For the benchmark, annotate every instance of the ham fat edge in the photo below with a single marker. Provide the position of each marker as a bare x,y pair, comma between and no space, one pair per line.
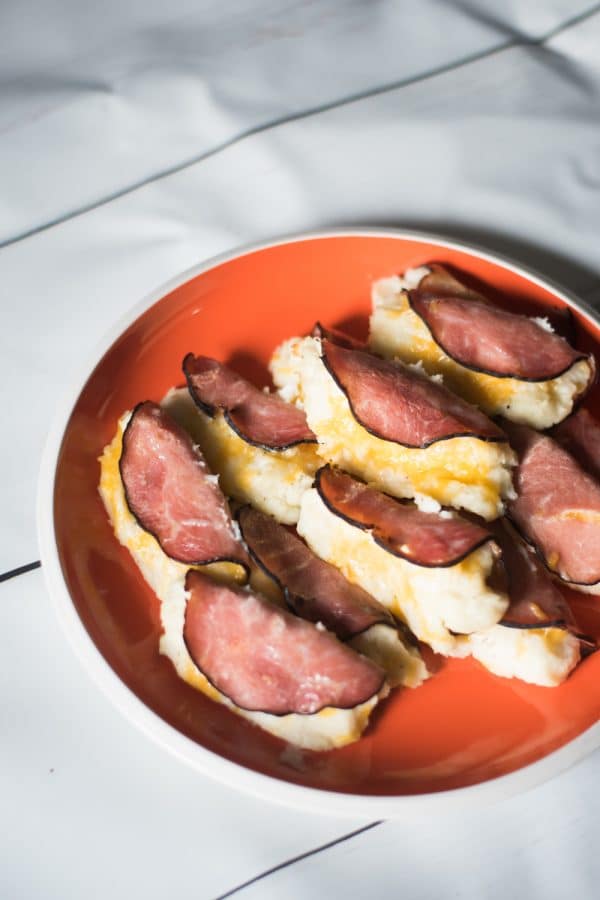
317,591
322,730
508,364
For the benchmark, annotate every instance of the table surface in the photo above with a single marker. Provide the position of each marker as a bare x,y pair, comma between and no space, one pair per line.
137,140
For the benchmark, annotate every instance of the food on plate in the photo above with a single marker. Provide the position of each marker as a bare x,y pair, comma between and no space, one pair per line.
163,502
338,337
537,639
580,435
167,510
438,572
317,591
282,673
365,454
508,364
261,447
395,427
557,508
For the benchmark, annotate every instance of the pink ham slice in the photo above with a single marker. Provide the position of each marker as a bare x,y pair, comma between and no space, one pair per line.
535,600
171,492
425,539
440,281
485,338
557,507
398,404
264,420
580,435
338,337
314,589
266,659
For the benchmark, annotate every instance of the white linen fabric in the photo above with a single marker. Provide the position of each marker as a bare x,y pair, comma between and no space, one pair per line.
102,97
139,138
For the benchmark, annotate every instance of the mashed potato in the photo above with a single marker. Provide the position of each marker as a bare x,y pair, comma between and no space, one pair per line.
402,663
396,331
543,656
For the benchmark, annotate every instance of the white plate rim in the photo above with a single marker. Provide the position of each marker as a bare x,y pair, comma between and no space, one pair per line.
196,756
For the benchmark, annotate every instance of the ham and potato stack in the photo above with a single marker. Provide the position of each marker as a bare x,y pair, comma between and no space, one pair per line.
317,591
505,363
438,572
286,675
463,588
418,517
394,427
261,447
537,639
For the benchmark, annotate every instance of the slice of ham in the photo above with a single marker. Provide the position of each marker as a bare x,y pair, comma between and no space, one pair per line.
557,507
440,281
580,435
338,337
266,659
400,527
398,404
486,338
313,588
259,418
535,600
171,492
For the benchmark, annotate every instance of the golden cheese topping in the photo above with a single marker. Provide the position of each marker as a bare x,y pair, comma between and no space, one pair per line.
446,470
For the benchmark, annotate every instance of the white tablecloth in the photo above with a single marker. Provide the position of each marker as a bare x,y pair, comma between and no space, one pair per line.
139,138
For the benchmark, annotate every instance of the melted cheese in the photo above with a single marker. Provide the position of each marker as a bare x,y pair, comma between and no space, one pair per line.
329,728
397,332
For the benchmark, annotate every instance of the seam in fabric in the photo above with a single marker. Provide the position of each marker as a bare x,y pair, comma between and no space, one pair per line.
304,114
21,570
299,858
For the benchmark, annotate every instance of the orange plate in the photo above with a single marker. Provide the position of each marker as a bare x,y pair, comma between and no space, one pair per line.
464,725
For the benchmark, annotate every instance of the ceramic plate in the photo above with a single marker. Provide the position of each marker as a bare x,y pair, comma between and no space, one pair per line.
465,734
